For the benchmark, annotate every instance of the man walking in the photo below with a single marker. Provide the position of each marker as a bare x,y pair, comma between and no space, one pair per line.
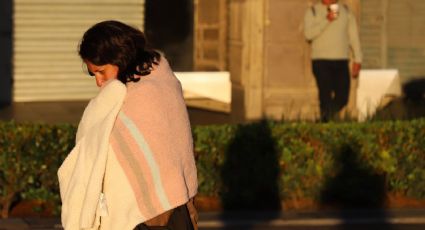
332,30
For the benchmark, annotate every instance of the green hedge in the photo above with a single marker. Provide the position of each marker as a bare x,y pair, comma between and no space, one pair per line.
253,165
354,164
30,155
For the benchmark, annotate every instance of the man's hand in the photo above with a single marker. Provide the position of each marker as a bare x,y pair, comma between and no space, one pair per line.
356,69
331,16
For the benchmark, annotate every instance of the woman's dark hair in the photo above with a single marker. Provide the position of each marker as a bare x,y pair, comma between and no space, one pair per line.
113,42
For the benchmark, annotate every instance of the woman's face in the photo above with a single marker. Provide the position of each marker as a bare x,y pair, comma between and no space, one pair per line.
102,73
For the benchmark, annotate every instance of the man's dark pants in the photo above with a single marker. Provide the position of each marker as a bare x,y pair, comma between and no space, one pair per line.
333,81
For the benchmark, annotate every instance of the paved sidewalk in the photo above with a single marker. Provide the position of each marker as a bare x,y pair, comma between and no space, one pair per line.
71,112
30,223
266,219
306,220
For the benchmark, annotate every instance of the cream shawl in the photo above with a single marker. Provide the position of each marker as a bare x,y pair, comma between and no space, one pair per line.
81,174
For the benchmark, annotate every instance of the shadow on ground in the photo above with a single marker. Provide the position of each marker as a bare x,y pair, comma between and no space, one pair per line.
411,106
355,187
250,173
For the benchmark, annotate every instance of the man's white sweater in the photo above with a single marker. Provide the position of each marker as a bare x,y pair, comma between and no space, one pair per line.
332,40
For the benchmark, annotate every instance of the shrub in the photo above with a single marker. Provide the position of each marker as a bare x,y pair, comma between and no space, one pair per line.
312,159
253,165
30,155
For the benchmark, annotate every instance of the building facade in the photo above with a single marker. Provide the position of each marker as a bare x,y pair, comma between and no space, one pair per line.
260,42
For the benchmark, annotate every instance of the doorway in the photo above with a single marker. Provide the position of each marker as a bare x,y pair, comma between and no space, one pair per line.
6,29
169,28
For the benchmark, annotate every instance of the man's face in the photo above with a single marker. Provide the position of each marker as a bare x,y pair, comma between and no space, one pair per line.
328,2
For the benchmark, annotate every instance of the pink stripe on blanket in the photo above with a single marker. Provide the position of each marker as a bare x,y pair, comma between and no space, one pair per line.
131,159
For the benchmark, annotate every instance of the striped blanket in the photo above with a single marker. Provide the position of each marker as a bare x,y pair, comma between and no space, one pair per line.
150,166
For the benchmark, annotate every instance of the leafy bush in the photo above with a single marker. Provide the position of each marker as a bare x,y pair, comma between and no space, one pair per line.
253,165
30,155
314,161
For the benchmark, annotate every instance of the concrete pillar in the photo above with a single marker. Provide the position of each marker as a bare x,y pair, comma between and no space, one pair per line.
269,60
246,52
290,89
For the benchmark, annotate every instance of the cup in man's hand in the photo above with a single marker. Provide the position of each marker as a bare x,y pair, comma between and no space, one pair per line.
334,9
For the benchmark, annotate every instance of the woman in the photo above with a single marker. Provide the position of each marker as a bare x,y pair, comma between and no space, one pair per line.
133,164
